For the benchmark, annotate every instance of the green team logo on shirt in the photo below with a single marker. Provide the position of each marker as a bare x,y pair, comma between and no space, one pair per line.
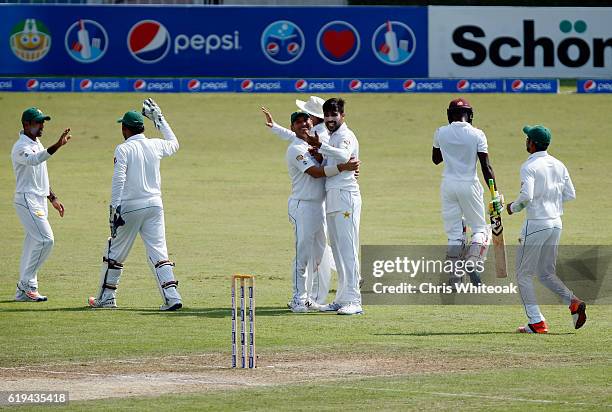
30,40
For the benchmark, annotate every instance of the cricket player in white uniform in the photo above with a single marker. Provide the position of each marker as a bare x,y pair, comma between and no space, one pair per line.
545,186
319,275
32,191
460,145
343,208
306,211
136,207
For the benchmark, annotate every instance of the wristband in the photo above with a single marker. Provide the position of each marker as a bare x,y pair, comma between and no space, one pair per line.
331,170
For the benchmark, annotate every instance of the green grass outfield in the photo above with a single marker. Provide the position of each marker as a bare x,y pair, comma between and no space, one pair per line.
225,196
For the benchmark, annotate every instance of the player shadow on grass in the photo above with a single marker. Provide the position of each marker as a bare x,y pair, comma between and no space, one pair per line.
216,312
459,333
186,311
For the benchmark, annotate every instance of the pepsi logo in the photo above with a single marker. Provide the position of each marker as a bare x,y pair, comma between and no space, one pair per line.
293,48
140,84
589,85
355,84
193,84
282,42
409,85
85,84
517,85
32,84
463,84
301,85
148,41
272,48
247,85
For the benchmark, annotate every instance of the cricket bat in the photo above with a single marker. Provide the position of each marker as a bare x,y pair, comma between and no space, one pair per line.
499,246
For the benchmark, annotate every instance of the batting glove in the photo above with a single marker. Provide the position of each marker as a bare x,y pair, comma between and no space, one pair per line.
115,220
151,110
496,205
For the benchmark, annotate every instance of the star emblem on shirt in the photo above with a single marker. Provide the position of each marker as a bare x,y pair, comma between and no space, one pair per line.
347,215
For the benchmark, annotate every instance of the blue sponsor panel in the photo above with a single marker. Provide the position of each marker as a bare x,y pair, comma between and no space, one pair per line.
532,85
154,85
199,42
452,85
103,85
372,85
207,85
36,84
9,84
317,85
264,85
591,86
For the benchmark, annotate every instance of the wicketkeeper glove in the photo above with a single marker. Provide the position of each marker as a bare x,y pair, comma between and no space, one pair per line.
115,220
151,110
497,205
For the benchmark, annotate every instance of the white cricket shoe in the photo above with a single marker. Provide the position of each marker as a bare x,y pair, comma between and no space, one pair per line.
350,309
172,305
109,303
330,307
297,307
312,306
25,293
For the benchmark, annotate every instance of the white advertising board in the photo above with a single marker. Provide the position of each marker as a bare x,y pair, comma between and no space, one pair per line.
570,42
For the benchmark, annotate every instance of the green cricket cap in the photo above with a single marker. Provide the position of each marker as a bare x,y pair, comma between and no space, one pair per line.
132,119
34,114
295,115
538,134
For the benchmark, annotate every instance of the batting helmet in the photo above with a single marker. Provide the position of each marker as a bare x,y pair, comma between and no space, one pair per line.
458,107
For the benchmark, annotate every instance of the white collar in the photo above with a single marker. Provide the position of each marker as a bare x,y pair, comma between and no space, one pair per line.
25,138
342,128
135,137
541,153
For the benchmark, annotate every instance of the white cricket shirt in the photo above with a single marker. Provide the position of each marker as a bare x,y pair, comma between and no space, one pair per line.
30,166
136,177
303,186
341,147
460,142
545,185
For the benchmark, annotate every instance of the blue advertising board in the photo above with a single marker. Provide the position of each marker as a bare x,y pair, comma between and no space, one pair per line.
532,85
216,41
591,86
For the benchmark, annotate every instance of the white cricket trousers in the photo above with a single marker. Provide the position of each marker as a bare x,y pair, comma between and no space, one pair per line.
148,220
32,211
463,200
306,217
343,216
537,255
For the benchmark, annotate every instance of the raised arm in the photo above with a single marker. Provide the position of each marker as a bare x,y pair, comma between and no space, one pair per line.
119,177
280,131
170,144
33,159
